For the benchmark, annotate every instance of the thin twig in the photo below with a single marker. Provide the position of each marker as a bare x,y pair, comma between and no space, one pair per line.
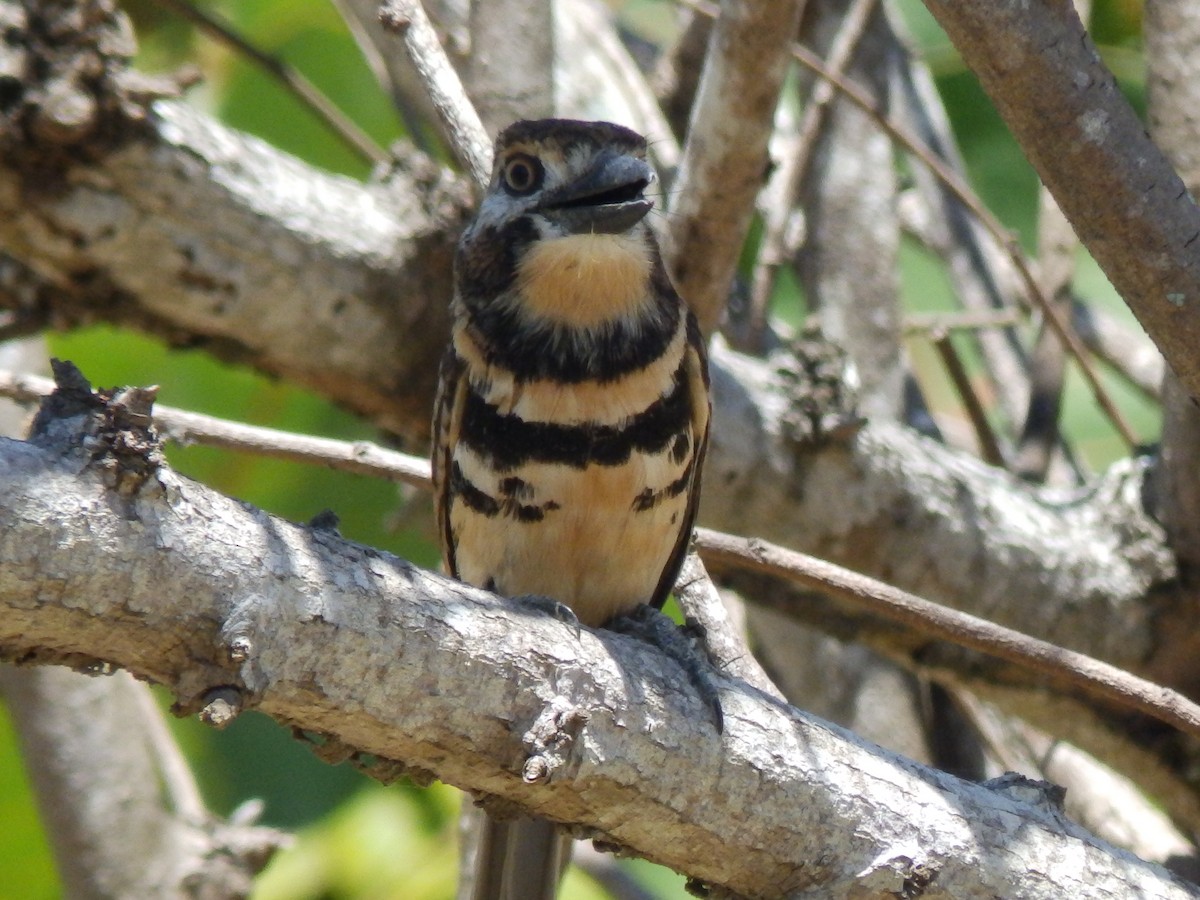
775,250
182,427
464,130
989,447
1068,669
971,320
1125,348
308,94
965,196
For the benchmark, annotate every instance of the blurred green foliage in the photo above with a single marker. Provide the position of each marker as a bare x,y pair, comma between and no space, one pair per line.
356,839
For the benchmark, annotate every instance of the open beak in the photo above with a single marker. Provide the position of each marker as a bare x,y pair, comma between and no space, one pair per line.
609,199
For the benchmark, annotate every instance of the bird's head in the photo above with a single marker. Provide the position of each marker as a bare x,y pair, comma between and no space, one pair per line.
560,238
565,177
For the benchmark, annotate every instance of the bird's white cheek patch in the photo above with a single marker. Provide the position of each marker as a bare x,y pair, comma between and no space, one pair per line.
585,280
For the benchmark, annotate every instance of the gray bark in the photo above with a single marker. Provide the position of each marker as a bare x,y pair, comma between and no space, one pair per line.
324,634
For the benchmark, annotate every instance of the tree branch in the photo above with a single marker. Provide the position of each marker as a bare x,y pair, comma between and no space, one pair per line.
1126,203
510,67
464,131
135,836
209,238
365,458
325,635
148,247
725,159
937,522
905,630
1065,668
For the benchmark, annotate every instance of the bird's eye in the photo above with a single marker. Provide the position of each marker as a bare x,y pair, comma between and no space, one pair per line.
522,174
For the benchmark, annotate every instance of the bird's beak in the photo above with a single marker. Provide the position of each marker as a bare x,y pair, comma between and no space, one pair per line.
608,199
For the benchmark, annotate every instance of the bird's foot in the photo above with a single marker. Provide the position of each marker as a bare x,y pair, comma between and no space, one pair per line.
684,645
553,608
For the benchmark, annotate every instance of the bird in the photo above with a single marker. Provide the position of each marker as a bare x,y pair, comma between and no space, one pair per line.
573,408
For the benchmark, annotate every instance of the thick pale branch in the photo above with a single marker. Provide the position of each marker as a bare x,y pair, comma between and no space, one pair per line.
896,633
210,238
369,459
510,67
848,263
888,503
361,647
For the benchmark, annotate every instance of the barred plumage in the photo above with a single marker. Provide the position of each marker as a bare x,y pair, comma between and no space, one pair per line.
573,410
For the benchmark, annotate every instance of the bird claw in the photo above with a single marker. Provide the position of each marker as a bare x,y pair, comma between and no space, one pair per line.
684,645
553,608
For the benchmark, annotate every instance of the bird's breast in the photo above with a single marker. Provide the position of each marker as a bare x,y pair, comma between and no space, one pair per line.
585,280
575,491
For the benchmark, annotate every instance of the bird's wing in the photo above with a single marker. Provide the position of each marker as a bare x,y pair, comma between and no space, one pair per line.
447,419
697,375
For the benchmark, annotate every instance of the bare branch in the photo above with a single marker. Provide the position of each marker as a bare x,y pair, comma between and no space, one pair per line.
1063,667
303,89
465,132
989,447
1126,348
95,739
510,67
701,603
393,70
1085,575
849,261
183,427
204,236
324,634
725,157
1098,797
1126,203
969,320
973,537
1067,669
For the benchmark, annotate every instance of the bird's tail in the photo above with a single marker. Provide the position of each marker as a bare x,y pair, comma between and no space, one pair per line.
519,859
